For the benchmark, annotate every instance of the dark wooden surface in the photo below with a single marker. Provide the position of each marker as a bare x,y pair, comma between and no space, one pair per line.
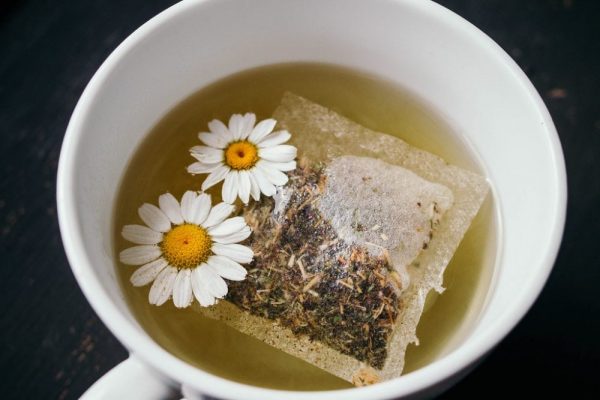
52,343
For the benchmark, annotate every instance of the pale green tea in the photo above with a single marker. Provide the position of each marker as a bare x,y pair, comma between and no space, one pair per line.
159,165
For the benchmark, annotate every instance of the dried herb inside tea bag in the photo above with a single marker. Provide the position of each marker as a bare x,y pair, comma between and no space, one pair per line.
347,251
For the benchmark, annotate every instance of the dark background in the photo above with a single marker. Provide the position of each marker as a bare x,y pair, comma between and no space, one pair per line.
53,345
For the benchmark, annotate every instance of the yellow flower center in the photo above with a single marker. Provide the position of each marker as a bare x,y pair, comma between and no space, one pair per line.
186,246
241,155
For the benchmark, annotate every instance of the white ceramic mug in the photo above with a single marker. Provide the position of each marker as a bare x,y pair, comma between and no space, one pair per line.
419,45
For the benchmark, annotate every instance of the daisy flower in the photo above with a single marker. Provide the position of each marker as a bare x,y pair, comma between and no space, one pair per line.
250,159
187,249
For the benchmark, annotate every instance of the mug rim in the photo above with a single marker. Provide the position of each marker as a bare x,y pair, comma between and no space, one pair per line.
143,347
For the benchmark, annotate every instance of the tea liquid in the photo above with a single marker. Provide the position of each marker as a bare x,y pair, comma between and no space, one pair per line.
159,165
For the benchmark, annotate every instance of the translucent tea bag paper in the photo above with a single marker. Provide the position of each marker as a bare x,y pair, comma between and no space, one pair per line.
347,251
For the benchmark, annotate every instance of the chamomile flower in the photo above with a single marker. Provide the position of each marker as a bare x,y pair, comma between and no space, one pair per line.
250,159
187,249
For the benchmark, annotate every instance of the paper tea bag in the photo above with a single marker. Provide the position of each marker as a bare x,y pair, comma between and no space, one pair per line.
347,251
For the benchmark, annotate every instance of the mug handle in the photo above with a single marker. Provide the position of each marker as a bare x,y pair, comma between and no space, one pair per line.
131,380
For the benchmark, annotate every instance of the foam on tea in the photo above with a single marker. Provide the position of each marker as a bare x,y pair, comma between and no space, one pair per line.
347,252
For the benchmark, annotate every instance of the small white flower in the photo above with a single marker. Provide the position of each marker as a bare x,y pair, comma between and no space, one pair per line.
187,249
251,159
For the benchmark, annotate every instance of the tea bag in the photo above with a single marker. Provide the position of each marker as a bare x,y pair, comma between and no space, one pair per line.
347,251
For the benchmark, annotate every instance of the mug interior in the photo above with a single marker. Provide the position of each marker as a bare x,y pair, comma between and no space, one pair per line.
428,50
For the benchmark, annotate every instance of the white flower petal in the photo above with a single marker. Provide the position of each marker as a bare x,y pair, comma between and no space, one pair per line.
234,237
201,208
218,214
154,218
147,273
199,150
215,176
275,138
281,166
139,255
266,187
182,289
187,205
236,122
201,168
140,234
162,288
280,153
213,140
227,268
254,188
207,155
228,227
219,129
244,186
215,285
170,206
216,157
230,187
262,129
274,176
237,252
196,150
200,288
248,122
